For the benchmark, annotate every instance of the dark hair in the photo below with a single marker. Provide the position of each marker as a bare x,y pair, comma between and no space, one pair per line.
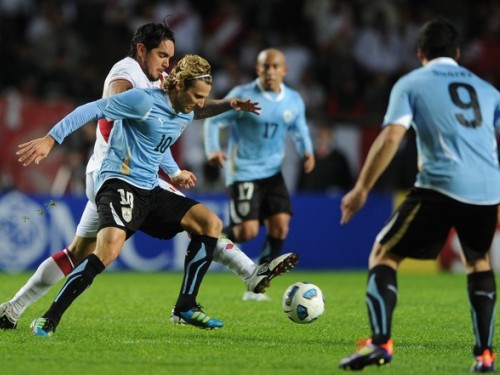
151,35
438,38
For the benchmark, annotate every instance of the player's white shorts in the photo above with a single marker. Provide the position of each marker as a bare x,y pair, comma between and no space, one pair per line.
89,221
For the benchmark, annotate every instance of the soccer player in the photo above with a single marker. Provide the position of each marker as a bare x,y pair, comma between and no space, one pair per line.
151,48
455,115
256,150
146,123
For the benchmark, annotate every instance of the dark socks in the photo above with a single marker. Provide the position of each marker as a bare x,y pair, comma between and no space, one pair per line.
381,298
481,288
76,283
228,232
198,258
270,249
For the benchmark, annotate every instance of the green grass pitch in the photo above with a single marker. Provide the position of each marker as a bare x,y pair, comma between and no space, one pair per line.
121,326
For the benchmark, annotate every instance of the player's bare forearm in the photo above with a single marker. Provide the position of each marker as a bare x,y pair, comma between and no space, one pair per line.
379,156
214,107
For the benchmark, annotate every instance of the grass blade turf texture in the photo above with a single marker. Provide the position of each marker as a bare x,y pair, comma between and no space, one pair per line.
121,326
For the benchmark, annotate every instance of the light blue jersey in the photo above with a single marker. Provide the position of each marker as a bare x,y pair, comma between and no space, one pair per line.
145,127
257,142
455,115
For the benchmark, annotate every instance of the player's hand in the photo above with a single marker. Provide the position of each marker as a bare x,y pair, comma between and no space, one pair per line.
217,159
35,150
351,203
309,162
245,105
186,180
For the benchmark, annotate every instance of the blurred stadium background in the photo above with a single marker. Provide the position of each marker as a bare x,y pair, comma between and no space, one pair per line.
343,56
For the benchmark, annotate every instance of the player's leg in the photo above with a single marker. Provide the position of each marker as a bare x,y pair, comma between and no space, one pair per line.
256,277
277,230
272,265
244,203
110,241
476,227
481,288
276,210
53,269
120,215
204,228
381,298
415,230
245,231
272,202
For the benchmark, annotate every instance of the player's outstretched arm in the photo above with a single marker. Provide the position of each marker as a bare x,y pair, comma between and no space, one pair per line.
214,107
35,150
245,105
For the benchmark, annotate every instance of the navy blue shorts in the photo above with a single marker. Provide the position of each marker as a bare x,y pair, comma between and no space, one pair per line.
258,199
419,227
157,212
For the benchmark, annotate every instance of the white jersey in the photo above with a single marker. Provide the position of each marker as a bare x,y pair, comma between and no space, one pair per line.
129,70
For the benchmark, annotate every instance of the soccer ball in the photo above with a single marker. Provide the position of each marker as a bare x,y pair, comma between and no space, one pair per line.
303,302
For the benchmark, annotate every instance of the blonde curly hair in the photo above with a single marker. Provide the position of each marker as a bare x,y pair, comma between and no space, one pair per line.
188,69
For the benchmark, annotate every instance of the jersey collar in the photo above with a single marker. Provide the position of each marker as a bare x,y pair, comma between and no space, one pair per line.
271,96
442,60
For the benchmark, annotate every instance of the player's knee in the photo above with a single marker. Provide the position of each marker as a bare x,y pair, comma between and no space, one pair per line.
109,244
247,233
213,225
477,265
381,256
81,247
280,232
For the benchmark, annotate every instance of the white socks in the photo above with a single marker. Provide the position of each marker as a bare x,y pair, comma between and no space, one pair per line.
47,274
228,254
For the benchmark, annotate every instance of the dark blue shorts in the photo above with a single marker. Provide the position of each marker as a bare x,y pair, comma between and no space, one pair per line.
157,212
420,226
258,199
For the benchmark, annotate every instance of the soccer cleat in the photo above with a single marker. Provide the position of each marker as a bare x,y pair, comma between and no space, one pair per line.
369,354
7,319
484,362
259,297
264,273
195,317
43,327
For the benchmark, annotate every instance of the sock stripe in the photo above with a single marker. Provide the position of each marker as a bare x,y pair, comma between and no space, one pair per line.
76,274
188,283
63,261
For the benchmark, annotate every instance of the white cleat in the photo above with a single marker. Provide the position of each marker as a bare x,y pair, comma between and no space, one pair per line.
7,318
264,273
